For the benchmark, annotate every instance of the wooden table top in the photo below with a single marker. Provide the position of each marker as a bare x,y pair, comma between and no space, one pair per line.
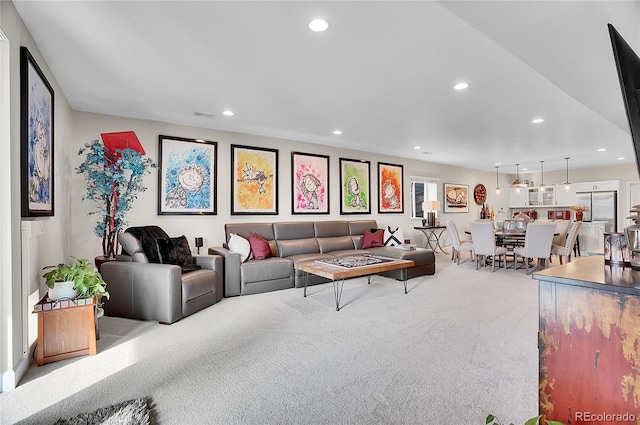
329,271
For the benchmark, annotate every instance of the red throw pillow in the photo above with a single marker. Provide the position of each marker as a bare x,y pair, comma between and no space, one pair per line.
259,246
372,239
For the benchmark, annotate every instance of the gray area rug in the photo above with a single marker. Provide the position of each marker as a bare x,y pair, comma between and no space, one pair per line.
132,412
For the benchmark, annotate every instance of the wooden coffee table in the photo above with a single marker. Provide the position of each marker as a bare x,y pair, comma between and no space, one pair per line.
338,274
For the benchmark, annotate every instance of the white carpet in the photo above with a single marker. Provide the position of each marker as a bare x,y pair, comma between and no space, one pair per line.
461,344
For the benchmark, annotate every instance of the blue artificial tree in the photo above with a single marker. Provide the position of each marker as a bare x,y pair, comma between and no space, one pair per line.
114,179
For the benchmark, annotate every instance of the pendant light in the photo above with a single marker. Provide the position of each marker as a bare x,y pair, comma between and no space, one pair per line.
520,183
497,183
566,183
542,178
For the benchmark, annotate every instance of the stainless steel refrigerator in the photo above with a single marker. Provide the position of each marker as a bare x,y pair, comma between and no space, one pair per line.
603,206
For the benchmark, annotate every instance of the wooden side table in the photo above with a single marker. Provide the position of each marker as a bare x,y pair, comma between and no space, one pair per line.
65,329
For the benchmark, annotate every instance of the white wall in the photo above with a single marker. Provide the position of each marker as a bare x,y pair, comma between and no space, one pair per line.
54,244
88,127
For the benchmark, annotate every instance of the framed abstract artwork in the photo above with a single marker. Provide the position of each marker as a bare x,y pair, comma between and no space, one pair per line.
309,183
390,188
254,180
187,180
456,198
36,134
355,186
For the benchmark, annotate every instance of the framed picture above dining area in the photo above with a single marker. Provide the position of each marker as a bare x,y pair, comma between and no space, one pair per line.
456,198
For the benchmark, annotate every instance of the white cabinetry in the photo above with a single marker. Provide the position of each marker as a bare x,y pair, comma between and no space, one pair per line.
518,197
565,196
600,186
541,196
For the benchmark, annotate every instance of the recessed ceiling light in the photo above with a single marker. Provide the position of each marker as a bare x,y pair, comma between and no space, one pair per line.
228,113
602,149
318,25
337,132
620,158
537,120
417,147
524,169
461,86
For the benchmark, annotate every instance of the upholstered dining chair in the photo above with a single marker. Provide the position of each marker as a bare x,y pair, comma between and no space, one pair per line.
537,244
484,245
456,244
566,249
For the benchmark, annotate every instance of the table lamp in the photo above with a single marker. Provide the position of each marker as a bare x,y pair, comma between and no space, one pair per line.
430,208
198,244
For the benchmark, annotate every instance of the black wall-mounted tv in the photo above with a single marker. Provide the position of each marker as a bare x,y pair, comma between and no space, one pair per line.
628,65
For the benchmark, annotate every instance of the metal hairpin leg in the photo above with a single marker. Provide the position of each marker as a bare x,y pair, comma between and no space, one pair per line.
337,291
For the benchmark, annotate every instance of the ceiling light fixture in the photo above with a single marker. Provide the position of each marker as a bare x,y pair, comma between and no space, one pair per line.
461,86
621,158
337,132
228,113
566,183
497,183
537,120
318,25
542,178
417,147
602,149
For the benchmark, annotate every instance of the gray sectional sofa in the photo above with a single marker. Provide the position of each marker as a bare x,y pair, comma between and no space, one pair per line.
291,242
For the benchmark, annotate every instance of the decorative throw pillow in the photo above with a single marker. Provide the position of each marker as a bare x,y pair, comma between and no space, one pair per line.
372,239
393,237
240,245
176,251
259,246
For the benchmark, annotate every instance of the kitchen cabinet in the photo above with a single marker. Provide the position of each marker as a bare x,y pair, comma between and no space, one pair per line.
565,196
518,197
598,186
541,196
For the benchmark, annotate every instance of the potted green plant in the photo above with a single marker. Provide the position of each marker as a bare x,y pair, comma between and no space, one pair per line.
114,174
537,420
75,279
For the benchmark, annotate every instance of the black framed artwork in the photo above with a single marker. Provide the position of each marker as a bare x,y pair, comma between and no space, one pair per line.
309,183
187,181
390,188
254,180
36,139
355,186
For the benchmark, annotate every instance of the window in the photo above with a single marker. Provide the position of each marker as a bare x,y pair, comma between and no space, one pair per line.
422,189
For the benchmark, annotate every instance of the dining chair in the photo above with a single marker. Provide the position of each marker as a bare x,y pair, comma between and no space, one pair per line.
484,245
562,228
456,244
566,249
537,244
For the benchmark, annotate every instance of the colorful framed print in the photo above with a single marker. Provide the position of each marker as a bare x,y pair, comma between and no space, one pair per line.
309,183
390,188
187,181
36,133
355,186
456,198
254,180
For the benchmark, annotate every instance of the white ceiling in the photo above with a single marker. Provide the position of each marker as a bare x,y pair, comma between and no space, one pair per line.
383,73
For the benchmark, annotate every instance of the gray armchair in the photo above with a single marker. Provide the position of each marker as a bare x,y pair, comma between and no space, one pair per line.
141,287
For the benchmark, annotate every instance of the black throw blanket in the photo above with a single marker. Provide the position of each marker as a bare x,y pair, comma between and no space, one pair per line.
147,236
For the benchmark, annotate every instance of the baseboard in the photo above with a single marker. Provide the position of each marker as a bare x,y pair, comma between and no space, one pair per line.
10,378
